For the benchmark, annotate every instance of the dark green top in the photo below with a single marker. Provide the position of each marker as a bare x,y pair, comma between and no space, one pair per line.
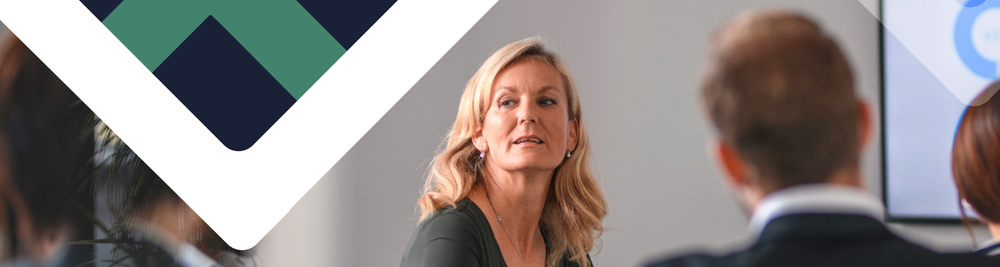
460,237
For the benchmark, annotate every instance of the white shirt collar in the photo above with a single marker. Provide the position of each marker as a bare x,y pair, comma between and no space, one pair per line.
986,245
814,198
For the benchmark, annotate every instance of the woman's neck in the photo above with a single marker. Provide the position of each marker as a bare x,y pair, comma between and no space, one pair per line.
994,230
518,198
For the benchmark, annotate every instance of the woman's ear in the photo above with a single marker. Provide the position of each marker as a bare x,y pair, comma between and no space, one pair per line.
574,135
479,141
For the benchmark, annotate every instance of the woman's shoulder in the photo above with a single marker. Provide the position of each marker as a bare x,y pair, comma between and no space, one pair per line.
452,236
463,208
465,219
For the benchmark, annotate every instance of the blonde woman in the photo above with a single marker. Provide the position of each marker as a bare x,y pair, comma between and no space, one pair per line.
513,187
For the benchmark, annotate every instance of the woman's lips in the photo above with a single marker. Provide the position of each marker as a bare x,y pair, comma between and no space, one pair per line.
528,140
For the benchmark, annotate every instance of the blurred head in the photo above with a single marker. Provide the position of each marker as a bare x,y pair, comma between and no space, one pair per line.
521,108
781,96
44,150
974,159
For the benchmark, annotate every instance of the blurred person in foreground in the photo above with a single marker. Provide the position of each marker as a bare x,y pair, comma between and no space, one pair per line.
975,163
47,160
151,225
513,187
790,129
43,150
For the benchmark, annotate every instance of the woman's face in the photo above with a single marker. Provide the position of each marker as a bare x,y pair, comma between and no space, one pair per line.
527,125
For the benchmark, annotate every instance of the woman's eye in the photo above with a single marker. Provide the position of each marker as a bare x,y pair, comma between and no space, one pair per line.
506,103
548,102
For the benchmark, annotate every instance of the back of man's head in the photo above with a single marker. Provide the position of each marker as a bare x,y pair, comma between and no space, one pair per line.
780,92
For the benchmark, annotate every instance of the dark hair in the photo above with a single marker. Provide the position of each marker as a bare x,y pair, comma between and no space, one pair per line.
780,91
42,124
975,157
47,152
136,191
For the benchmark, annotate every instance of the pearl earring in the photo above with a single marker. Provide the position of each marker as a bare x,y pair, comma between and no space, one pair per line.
568,154
482,154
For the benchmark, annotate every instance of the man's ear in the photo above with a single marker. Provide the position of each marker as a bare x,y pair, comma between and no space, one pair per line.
739,174
864,124
479,141
733,166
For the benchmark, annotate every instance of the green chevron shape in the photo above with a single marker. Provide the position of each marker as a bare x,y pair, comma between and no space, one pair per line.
280,34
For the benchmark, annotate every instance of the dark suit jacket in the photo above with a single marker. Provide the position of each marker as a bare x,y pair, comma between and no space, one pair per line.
993,249
830,240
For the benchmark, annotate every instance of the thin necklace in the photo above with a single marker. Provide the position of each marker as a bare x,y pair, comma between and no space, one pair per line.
501,224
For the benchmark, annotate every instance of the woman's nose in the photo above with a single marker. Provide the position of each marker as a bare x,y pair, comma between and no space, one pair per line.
527,113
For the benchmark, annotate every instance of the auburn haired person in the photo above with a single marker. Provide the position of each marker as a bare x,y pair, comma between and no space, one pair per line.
975,163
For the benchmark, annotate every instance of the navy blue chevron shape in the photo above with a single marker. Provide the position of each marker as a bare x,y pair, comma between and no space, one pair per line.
225,87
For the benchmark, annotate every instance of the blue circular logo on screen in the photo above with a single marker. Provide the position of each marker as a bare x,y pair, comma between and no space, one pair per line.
976,62
970,3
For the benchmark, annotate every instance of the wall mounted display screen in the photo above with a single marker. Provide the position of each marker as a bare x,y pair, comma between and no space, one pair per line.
937,56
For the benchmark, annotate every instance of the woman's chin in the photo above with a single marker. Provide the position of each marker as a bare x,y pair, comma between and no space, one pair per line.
531,165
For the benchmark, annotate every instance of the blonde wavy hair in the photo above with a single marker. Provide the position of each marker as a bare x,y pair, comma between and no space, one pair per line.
575,206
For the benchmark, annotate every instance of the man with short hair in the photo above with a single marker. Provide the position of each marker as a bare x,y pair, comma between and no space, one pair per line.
790,129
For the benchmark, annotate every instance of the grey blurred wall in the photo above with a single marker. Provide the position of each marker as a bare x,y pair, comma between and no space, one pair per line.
637,64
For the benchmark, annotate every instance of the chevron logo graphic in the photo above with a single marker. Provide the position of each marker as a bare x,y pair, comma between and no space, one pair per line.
238,65
240,106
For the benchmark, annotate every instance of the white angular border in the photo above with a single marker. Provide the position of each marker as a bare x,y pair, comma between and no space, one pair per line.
242,195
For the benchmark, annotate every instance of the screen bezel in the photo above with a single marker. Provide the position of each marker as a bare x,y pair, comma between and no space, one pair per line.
885,178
